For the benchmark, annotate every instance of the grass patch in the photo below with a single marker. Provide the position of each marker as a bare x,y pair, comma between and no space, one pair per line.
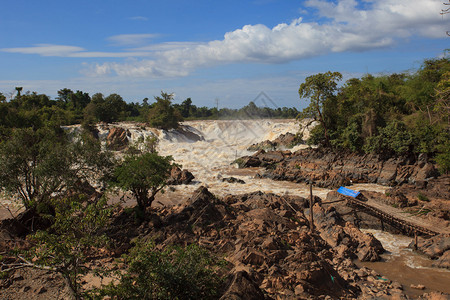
422,197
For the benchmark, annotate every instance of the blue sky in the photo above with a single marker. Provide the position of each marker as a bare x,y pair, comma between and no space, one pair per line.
207,50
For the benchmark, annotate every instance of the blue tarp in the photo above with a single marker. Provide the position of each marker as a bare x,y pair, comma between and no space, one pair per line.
348,192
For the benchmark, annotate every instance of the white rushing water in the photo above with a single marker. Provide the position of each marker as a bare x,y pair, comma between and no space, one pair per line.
212,158
208,149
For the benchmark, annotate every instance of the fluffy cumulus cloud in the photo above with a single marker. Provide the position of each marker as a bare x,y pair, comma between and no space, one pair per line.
346,25
343,25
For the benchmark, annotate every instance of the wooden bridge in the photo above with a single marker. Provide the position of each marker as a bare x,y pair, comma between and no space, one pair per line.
397,218
405,226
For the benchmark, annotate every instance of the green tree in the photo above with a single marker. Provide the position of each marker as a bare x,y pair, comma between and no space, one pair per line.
173,273
37,166
65,247
319,88
162,114
110,109
185,107
144,175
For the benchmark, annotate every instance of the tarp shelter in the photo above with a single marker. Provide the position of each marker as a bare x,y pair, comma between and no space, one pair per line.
348,192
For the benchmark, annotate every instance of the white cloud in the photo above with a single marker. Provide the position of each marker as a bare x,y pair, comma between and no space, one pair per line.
46,50
349,28
131,39
139,18
72,51
346,25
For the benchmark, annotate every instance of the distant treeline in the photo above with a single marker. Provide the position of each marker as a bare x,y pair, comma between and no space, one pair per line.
30,109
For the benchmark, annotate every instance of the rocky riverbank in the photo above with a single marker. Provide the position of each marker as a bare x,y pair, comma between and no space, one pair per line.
333,169
416,186
266,239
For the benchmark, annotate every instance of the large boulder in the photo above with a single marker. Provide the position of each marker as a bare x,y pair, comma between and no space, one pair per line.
179,176
117,139
243,287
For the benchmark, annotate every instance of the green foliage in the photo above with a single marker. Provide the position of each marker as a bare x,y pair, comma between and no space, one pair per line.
143,145
39,165
392,139
34,165
350,138
393,114
162,114
144,175
173,273
443,156
74,235
320,90
109,109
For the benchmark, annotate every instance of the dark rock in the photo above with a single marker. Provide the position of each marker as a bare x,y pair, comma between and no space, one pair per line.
117,139
233,180
443,261
332,169
178,176
433,247
41,290
189,133
287,140
242,287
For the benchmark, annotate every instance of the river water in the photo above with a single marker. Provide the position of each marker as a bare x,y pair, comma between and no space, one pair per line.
401,264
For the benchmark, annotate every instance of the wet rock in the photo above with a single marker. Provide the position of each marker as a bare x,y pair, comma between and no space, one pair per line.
443,261
287,140
248,162
417,287
117,139
178,176
189,133
233,180
433,247
435,296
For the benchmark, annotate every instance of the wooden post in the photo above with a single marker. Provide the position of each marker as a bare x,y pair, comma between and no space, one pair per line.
415,240
311,204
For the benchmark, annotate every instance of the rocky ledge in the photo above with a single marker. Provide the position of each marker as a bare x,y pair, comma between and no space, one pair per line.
333,169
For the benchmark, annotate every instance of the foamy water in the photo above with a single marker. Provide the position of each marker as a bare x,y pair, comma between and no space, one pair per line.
209,148
224,141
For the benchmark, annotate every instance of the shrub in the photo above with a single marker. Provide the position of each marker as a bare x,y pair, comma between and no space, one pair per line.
173,273
144,175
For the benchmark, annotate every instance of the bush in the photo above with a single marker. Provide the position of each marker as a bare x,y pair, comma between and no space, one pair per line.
144,175
443,157
173,273
64,248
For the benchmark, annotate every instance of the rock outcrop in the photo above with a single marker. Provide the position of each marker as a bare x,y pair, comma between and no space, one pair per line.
179,176
117,139
284,141
436,248
271,251
331,170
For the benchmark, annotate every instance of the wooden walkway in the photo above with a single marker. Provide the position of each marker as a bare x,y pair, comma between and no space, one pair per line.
409,225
